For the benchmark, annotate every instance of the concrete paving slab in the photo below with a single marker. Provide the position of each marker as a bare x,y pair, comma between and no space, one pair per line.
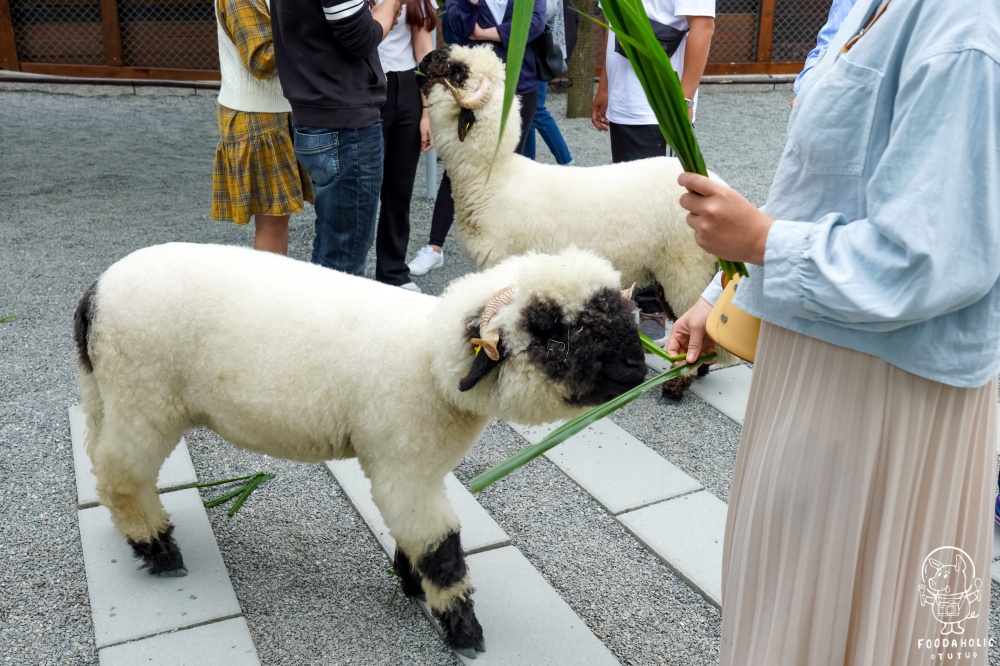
524,619
995,572
617,469
127,603
996,542
726,389
479,530
225,643
686,534
177,471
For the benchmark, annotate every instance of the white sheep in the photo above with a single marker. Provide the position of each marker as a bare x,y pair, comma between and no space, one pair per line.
628,212
290,359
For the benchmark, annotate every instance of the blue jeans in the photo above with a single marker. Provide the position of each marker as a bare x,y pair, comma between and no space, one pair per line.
346,170
547,127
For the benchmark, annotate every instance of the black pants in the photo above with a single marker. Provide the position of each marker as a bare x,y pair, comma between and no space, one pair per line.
444,205
401,133
637,142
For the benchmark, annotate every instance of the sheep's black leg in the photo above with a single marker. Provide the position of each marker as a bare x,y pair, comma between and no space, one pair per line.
408,578
445,578
161,556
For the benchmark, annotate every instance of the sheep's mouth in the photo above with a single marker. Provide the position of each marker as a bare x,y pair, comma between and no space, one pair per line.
439,67
618,379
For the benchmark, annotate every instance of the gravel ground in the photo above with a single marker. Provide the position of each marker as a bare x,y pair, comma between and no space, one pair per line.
89,174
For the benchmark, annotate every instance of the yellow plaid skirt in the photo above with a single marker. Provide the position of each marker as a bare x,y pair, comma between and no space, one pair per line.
255,171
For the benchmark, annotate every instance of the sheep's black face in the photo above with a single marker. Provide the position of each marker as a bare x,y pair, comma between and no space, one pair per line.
438,66
598,355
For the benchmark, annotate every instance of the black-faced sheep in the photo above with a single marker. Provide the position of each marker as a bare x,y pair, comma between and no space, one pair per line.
290,359
628,212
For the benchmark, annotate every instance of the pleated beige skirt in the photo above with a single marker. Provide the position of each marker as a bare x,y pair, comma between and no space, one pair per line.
860,522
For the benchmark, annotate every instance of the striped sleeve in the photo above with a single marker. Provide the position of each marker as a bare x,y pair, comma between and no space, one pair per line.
353,26
341,10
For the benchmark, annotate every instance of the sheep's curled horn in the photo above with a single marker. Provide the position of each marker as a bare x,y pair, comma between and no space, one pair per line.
490,335
469,102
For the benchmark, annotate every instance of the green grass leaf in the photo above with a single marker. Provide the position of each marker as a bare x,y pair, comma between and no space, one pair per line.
7,318
575,425
242,492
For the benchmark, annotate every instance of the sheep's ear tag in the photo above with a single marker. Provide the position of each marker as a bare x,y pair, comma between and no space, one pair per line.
466,119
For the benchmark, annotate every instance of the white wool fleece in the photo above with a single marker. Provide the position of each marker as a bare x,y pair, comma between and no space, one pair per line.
292,360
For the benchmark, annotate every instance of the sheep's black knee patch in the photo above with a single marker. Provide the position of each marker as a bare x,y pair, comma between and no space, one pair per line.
445,565
161,554
409,580
81,326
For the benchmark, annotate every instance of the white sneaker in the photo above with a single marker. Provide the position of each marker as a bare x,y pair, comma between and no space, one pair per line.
410,286
426,261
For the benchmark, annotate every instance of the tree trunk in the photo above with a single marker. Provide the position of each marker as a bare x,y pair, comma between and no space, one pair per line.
581,64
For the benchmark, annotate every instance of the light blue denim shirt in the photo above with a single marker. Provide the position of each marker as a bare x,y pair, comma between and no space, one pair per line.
886,200
838,12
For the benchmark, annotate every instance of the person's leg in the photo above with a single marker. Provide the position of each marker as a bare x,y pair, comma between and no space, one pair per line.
431,256
529,101
271,233
444,213
549,129
401,132
346,170
529,141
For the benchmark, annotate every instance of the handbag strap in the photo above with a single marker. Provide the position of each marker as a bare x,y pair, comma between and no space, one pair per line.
854,40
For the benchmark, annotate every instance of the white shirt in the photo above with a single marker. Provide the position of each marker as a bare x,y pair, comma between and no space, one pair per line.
396,50
627,103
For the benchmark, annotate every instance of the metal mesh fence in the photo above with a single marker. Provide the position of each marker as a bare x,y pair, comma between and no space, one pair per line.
796,23
58,32
167,34
173,34
736,25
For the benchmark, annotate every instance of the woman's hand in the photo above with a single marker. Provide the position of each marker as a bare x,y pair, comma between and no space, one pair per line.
689,334
484,34
426,140
725,224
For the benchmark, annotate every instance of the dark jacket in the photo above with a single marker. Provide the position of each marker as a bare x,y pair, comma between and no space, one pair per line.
328,64
462,17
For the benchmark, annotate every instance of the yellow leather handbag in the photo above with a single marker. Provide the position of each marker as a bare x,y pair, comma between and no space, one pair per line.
733,329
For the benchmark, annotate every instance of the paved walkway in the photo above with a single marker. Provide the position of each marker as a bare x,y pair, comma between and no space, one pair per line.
605,551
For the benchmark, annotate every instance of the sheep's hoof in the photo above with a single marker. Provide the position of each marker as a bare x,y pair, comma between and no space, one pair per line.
161,556
471,652
173,573
462,630
673,390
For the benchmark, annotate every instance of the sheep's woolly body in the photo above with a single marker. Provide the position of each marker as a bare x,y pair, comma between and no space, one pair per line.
628,212
293,360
